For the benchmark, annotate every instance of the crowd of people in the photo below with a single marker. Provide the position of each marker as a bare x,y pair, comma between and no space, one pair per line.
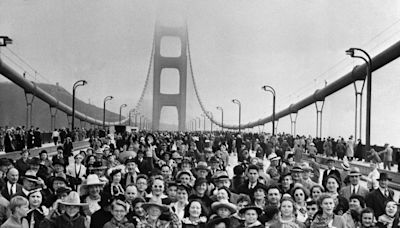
19,138
187,179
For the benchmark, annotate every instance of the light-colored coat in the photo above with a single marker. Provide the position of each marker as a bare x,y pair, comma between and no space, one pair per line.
72,171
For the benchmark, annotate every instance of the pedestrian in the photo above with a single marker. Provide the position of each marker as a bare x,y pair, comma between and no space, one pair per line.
19,207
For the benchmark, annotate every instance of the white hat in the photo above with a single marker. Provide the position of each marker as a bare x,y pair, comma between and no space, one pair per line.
273,156
91,180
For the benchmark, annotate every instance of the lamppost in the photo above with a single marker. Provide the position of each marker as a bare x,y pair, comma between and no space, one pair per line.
268,88
198,118
107,98
236,101
204,122
76,85
211,118
368,61
120,112
140,121
130,116
222,117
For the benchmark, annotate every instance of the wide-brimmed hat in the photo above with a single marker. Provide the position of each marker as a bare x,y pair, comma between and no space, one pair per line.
306,167
273,157
31,176
34,161
221,175
354,171
73,200
384,176
176,155
162,207
91,180
217,205
257,209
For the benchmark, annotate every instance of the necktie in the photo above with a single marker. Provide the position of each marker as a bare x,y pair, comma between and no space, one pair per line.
386,193
12,190
354,190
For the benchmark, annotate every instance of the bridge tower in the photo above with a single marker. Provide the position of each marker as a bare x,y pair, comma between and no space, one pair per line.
179,63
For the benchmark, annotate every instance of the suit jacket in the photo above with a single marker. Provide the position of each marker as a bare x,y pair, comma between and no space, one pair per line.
124,179
346,192
6,194
71,170
376,201
244,188
145,166
333,172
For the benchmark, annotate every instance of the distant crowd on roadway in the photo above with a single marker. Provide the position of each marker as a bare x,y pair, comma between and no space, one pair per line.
18,138
192,179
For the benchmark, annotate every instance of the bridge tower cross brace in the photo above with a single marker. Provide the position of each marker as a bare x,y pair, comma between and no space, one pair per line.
179,63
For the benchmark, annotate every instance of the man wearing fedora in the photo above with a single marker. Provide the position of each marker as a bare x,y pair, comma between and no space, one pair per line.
354,188
377,198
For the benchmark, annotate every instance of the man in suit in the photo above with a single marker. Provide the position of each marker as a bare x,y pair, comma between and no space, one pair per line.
250,184
130,176
144,164
330,171
12,187
354,188
377,198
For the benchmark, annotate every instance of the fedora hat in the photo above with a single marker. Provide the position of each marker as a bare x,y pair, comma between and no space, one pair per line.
354,171
73,200
31,176
97,165
296,169
384,176
273,157
219,175
162,207
345,166
202,166
257,209
217,205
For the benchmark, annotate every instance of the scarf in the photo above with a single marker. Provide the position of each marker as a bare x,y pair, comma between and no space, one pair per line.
386,220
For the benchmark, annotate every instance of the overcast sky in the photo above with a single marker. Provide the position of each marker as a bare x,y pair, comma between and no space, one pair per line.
236,47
